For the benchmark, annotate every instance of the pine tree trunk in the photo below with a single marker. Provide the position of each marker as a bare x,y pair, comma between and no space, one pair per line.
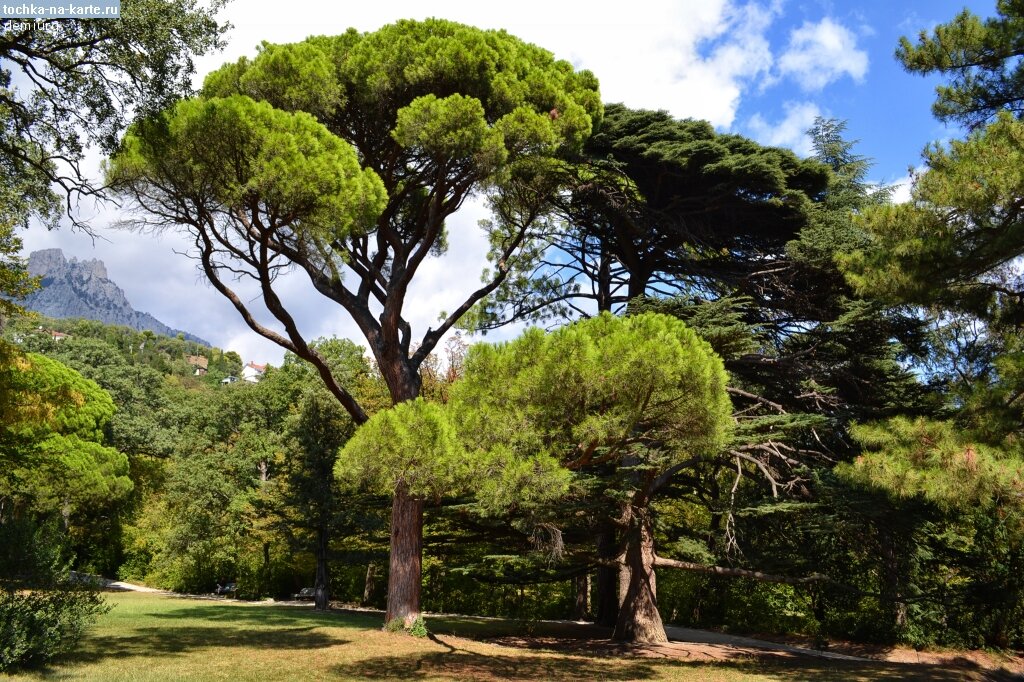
639,621
405,563
604,283
321,585
370,585
639,277
625,574
606,594
581,610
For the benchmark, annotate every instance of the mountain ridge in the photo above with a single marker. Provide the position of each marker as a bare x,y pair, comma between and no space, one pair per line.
82,288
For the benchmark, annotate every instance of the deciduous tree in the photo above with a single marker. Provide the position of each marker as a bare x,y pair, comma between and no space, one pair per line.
53,455
67,83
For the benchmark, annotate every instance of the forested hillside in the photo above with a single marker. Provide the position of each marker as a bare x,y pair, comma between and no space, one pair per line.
149,381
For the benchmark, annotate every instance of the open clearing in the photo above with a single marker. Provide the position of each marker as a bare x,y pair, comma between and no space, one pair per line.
156,637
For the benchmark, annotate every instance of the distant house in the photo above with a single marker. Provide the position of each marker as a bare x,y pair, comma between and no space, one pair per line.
253,372
229,380
200,362
59,336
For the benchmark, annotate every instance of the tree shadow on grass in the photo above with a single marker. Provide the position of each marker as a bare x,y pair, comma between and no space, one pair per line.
462,664
486,628
639,663
467,665
260,614
149,642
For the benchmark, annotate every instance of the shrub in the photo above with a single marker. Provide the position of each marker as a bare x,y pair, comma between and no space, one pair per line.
42,614
36,626
418,628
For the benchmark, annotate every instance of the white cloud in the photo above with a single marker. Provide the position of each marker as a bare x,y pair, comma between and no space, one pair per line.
791,131
691,57
158,278
710,87
901,190
823,52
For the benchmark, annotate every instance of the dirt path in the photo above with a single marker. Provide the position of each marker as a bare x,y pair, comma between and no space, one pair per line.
109,584
676,634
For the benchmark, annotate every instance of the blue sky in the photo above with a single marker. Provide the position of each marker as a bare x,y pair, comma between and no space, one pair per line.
762,69
886,108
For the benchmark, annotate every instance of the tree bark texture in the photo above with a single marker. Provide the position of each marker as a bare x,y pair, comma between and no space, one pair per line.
639,621
405,563
370,585
625,573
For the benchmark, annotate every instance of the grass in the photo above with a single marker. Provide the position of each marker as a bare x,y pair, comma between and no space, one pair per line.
152,637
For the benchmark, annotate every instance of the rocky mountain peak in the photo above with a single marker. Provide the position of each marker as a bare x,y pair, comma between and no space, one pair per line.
47,262
81,288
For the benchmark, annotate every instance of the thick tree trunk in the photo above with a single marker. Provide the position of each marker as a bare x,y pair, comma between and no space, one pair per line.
639,621
405,564
625,574
581,610
370,585
639,277
606,593
321,585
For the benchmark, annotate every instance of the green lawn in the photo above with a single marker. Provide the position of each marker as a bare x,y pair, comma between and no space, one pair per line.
149,637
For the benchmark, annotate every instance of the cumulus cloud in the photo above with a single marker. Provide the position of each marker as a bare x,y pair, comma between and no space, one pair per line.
791,131
821,53
692,58
715,69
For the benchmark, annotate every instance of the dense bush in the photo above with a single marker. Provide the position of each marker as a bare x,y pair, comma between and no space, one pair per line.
42,612
38,625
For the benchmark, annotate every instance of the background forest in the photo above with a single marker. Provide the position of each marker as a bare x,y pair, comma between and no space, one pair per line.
751,374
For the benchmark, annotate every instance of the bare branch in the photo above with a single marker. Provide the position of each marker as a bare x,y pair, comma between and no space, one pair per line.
740,572
764,401
762,466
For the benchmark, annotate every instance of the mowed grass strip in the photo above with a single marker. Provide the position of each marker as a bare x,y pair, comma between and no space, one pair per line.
153,637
